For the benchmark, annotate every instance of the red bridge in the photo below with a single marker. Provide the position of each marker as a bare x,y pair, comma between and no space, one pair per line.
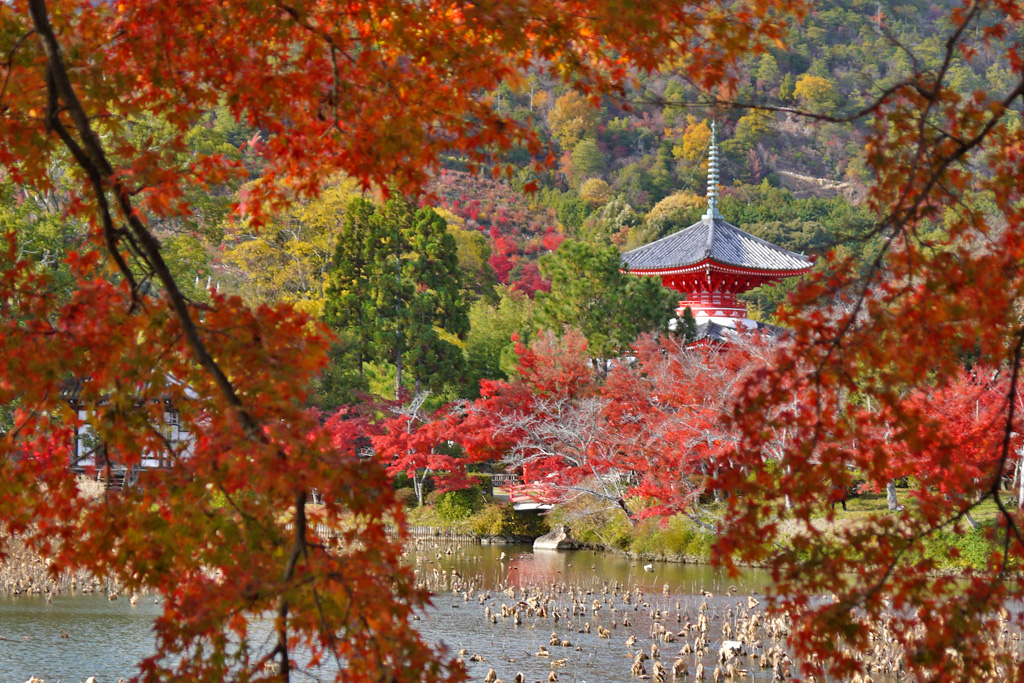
510,487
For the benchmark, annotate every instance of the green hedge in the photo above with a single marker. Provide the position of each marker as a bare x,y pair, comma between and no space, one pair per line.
455,506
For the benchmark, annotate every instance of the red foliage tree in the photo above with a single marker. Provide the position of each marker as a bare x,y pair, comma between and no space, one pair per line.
379,91
667,410
411,442
530,281
869,344
654,428
959,428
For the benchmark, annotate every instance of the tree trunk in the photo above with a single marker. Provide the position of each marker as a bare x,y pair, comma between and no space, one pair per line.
1020,477
890,496
418,483
630,517
970,520
361,354
398,375
789,501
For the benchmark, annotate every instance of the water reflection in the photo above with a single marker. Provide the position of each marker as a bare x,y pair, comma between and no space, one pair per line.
670,597
592,570
107,639
521,567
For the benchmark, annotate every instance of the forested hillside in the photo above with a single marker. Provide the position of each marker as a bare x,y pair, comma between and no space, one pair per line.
263,260
620,171
631,170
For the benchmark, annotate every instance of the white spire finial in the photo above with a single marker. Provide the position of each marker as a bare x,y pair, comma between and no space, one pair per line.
712,178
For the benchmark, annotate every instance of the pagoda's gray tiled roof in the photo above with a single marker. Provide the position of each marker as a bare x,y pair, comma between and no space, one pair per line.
715,239
712,331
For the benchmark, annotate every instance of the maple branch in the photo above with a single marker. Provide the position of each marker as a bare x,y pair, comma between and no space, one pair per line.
715,102
91,158
897,220
334,84
298,550
327,38
1004,453
54,123
325,629
244,514
879,100
13,432
9,62
907,207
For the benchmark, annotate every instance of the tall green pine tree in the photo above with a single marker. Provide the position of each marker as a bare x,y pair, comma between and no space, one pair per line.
590,293
395,287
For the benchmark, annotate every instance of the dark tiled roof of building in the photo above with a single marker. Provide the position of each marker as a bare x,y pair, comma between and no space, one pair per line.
714,332
718,240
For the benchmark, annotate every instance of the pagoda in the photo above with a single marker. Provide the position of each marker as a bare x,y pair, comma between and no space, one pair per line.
712,262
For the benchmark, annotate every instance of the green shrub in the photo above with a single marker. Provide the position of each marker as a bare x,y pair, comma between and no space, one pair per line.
607,527
482,480
618,531
491,520
407,496
503,520
672,536
455,506
953,551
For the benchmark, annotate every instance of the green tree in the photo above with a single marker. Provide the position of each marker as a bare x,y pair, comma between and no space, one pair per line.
490,351
347,305
662,173
768,73
675,98
787,87
396,286
588,161
610,224
590,293
569,208
45,236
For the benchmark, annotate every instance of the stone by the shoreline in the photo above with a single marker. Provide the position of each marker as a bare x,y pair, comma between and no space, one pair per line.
556,539
504,540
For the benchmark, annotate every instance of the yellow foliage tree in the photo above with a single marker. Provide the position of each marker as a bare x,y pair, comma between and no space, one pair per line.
288,258
680,202
695,140
572,118
595,191
815,92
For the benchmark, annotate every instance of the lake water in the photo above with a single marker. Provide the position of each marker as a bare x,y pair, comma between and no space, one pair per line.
107,639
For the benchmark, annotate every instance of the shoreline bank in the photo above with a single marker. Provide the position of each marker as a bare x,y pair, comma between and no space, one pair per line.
24,572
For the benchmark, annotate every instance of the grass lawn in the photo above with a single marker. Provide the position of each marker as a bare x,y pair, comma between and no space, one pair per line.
875,503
